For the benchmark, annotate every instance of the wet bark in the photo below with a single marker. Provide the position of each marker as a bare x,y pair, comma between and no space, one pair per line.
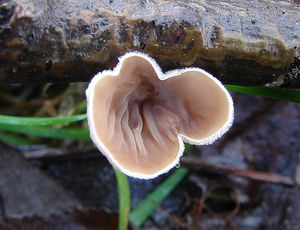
240,42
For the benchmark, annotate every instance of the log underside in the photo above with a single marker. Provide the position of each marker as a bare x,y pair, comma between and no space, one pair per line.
239,42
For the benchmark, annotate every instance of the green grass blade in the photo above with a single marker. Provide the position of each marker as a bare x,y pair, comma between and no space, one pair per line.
292,95
124,199
80,134
13,139
144,209
40,121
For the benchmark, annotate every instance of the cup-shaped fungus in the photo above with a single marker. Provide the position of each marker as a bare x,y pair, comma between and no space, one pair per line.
139,117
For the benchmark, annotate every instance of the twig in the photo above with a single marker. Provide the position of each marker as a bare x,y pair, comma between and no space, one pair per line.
177,221
47,155
246,173
186,161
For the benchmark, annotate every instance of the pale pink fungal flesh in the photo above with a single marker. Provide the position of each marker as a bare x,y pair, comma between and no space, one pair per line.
138,116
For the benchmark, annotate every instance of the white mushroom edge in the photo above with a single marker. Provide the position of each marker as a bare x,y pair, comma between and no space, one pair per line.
181,138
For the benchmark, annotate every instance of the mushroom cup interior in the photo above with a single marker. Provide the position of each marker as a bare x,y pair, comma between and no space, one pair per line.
139,117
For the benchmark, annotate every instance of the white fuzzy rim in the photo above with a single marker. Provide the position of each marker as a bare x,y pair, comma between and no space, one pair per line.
162,76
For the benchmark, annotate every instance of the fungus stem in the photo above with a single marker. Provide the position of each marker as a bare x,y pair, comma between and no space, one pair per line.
124,199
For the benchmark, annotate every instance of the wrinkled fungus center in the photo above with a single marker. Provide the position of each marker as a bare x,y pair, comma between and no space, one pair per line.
139,117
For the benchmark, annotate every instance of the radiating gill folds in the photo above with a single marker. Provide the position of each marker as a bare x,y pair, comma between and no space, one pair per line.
138,116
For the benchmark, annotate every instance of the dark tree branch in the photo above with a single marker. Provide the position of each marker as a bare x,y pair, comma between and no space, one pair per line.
239,41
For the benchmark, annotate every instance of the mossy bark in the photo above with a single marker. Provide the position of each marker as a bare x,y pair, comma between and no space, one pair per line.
238,41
